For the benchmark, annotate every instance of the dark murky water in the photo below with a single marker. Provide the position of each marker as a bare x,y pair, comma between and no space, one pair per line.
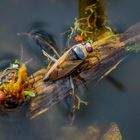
106,103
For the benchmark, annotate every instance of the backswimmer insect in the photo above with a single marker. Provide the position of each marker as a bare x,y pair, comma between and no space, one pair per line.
69,61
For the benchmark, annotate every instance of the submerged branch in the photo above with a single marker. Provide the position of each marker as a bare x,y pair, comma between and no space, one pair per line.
112,50
50,93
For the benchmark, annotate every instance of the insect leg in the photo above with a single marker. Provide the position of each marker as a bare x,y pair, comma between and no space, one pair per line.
50,46
49,56
77,100
82,80
74,100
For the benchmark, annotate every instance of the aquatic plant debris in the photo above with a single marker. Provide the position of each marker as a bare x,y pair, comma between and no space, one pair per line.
92,23
13,87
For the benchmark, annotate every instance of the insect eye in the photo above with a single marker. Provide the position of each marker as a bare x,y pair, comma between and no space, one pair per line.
79,52
88,47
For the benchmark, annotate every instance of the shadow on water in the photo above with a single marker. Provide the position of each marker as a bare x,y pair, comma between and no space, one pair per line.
106,104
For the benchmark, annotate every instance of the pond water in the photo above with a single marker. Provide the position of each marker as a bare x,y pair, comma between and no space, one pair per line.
106,103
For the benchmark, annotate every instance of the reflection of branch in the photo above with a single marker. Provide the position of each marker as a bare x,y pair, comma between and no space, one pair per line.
92,21
115,83
108,131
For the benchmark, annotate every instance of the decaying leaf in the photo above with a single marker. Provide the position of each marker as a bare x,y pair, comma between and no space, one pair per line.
113,133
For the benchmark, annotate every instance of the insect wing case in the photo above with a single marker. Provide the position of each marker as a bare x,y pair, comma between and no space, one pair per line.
67,63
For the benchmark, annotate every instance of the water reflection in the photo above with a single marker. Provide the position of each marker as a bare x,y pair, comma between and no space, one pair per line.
109,132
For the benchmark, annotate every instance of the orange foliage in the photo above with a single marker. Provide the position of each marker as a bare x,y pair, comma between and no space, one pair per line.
15,88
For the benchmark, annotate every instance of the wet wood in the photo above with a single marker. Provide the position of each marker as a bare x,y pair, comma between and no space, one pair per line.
92,70
112,51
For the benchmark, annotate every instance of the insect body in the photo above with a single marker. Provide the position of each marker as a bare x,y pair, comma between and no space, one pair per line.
69,61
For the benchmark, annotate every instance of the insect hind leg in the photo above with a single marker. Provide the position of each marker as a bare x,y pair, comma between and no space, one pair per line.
82,80
77,101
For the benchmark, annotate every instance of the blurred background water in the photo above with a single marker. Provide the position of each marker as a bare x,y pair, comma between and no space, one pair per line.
106,103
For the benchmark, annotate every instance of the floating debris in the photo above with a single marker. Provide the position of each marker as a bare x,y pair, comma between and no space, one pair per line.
14,89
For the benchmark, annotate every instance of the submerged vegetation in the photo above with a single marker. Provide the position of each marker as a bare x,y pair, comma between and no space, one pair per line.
14,87
92,22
